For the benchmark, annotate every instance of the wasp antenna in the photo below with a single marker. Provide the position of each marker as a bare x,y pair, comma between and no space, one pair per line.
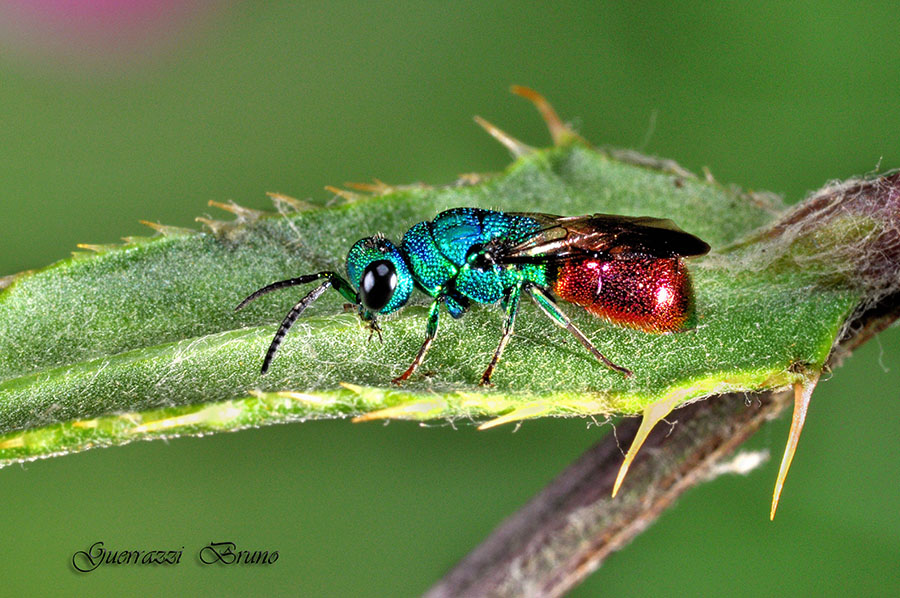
297,204
281,284
559,131
289,320
347,195
512,144
652,414
802,392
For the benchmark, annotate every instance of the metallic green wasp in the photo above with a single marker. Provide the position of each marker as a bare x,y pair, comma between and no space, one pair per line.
627,270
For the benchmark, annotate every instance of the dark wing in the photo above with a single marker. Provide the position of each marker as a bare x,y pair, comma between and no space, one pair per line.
599,235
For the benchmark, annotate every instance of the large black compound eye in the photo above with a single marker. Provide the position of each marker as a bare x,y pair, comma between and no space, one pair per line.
379,279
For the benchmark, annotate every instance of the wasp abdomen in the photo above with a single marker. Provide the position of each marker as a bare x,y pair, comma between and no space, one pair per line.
652,294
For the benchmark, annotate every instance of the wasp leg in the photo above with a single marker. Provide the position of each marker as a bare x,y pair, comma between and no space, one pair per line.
374,328
552,310
511,303
430,333
331,280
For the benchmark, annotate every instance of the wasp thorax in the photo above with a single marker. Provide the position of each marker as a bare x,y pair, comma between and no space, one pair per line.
379,279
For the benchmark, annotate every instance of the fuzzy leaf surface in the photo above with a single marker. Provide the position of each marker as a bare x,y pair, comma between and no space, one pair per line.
141,341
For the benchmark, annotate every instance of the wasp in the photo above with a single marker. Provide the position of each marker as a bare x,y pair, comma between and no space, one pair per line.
629,271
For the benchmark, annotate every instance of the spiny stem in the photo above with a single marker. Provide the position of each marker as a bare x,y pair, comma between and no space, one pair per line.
563,534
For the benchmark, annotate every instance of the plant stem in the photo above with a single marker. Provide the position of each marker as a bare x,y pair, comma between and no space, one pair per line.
564,533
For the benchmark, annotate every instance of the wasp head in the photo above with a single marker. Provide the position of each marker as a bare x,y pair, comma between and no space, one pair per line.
379,272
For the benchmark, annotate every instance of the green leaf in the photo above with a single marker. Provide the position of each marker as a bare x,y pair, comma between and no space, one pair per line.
141,341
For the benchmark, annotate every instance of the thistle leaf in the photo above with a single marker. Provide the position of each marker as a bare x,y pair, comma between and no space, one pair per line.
140,341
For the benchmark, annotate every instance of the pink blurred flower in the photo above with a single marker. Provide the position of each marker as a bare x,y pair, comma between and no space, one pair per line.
93,31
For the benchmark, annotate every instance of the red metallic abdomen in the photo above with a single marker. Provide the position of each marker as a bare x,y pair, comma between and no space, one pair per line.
653,294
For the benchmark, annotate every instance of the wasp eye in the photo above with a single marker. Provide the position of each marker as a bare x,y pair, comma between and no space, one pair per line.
379,279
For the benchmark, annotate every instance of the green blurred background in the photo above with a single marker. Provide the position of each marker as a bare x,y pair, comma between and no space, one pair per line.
102,128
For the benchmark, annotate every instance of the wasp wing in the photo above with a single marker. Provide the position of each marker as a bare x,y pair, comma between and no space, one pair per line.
598,235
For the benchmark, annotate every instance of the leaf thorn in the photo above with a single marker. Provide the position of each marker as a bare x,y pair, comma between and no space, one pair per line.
529,411
95,248
512,144
802,393
376,187
653,413
216,226
167,230
559,131
241,213
298,204
348,196
423,409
